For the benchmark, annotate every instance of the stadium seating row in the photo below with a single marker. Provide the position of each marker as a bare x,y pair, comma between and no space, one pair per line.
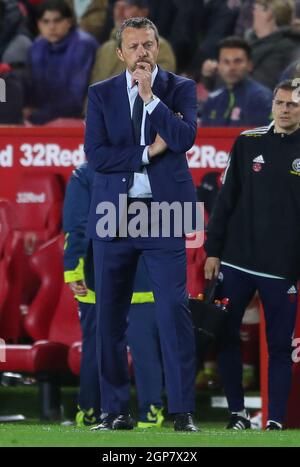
51,324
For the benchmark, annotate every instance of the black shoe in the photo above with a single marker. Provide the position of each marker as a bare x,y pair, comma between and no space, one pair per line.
106,422
273,426
123,422
184,422
237,422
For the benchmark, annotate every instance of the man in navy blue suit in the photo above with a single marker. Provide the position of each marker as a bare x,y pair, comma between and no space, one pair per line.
139,126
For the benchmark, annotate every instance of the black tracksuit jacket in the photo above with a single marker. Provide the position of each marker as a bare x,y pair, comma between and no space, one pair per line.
255,223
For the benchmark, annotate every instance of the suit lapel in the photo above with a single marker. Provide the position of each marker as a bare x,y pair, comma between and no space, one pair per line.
160,83
122,106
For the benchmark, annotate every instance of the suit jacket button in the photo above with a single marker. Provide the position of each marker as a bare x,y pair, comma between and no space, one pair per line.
123,180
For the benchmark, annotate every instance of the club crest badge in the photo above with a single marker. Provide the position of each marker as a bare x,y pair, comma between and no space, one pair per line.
296,167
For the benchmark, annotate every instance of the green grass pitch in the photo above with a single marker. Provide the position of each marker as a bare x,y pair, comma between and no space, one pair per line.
211,435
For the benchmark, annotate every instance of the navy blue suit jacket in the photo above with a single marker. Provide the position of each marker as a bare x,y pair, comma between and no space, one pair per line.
112,153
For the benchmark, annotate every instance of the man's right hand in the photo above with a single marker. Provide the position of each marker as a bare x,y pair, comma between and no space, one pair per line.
78,288
209,68
212,268
158,147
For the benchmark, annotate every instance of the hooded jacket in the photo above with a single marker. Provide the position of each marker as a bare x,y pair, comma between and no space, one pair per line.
14,36
272,54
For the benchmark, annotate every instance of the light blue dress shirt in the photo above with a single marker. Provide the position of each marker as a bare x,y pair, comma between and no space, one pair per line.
141,185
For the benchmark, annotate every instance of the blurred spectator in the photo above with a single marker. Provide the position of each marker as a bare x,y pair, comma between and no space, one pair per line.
297,9
272,39
142,332
215,20
12,102
14,36
242,101
194,28
60,63
245,18
109,23
107,63
90,15
292,71
178,22
14,46
30,8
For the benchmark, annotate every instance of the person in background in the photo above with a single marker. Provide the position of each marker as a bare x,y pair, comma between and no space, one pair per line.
78,273
15,43
215,20
242,101
245,18
272,40
142,332
293,69
253,239
90,15
60,64
15,38
107,63
12,97
30,9
194,28
207,193
177,22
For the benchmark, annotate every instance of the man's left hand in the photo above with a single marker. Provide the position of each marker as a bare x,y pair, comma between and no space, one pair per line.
142,75
158,147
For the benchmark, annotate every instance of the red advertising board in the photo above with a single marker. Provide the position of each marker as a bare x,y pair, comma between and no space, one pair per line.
59,150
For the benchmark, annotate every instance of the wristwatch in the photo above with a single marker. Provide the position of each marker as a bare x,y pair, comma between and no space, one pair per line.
151,100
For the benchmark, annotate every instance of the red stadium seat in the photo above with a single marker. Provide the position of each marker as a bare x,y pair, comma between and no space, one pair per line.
39,201
52,322
46,264
10,275
65,326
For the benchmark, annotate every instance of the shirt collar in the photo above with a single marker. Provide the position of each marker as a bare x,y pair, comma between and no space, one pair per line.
128,77
272,125
272,128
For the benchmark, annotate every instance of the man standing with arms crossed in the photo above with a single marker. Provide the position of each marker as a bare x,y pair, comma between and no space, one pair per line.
254,234
139,126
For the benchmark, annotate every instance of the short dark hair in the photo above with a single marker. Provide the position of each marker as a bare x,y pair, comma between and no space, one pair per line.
287,85
137,23
235,42
55,5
